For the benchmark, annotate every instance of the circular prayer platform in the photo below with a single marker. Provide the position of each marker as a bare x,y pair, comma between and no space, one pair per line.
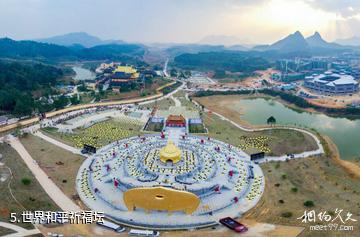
150,182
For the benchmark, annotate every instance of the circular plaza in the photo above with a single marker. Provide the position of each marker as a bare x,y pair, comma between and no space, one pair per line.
161,182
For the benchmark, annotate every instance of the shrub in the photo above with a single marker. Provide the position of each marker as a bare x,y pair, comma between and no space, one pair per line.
286,214
26,181
294,189
309,203
283,176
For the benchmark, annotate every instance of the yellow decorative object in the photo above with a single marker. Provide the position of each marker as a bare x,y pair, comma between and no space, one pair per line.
161,199
170,153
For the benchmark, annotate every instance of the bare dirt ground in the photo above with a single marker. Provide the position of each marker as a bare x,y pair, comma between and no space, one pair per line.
60,165
336,101
250,82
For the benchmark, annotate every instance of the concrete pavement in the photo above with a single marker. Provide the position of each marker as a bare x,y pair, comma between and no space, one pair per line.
57,143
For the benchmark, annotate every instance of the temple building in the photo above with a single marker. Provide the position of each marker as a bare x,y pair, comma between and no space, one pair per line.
175,121
124,75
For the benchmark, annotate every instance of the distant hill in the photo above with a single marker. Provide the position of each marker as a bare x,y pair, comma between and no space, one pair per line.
226,40
236,61
238,47
295,45
78,38
192,48
317,41
293,42
120,52
30,49
353,41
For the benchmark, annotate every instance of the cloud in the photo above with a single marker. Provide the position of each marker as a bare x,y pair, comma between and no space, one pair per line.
346,8
261,21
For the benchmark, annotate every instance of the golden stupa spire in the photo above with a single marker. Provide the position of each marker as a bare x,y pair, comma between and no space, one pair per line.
170,152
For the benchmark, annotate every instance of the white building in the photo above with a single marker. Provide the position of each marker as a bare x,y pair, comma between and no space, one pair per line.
332,83
3,120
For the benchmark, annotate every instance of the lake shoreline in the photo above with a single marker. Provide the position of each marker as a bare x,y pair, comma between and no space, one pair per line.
311,120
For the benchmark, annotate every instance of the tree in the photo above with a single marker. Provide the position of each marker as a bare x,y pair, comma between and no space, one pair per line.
220,74
74,100
23,106
26,181
309,203
173,72
271,120
61,102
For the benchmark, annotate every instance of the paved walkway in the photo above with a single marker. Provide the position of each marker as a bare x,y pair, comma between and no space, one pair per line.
47,184
163,97
176,101
57,143
20,232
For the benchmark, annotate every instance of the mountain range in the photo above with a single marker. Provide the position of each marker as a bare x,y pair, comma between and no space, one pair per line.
44,51
78,38
296,42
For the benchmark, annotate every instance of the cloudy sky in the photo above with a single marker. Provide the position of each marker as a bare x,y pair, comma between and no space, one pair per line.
180,21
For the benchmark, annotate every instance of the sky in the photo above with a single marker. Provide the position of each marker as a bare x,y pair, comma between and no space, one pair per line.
180,21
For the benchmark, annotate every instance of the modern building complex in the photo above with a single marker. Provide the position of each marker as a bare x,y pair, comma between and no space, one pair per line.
332,83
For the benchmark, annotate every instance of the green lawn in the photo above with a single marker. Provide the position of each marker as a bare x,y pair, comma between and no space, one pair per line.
273,142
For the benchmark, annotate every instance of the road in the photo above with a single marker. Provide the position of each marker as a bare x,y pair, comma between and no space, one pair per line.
46,183
57,143
165,68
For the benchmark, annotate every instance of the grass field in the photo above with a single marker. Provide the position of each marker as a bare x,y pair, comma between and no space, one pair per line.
276,142
5,231
60,165
161,104
29,197
180,95
86,98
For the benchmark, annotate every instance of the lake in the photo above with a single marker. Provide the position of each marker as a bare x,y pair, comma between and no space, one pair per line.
344,132
83,74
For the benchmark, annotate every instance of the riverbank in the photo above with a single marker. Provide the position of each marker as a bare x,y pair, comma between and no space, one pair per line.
351,168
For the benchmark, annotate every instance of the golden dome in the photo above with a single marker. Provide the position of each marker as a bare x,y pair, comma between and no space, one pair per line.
170,153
